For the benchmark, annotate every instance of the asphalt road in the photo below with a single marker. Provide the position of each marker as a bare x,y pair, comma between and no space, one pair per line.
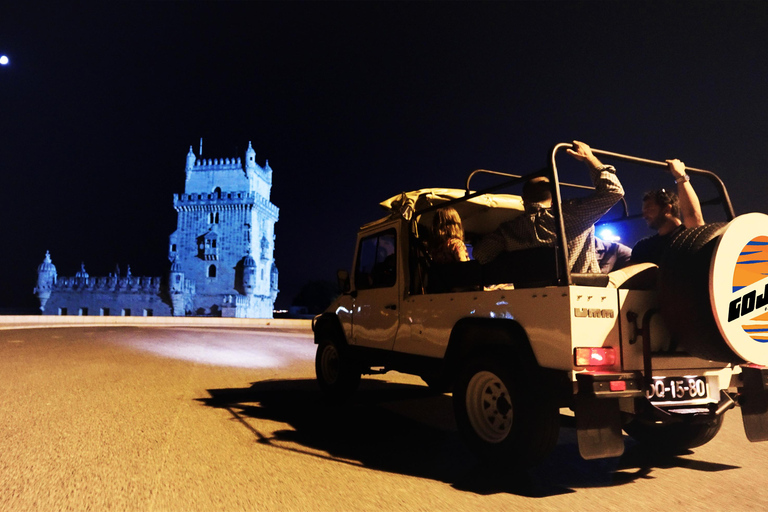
155,419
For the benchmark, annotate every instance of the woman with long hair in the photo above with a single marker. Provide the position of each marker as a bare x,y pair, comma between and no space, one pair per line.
448,237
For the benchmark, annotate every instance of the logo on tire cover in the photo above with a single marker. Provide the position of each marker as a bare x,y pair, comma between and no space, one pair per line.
750,283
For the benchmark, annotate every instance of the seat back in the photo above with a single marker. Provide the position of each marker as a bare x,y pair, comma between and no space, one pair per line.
454,277
525,268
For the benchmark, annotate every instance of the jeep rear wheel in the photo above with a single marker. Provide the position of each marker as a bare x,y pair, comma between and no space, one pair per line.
675,437
500,421
337,373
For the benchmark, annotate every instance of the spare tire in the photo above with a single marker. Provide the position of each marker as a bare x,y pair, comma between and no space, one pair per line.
739,287
713,290
684,293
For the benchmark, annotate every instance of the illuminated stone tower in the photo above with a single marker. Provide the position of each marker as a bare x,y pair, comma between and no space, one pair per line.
222,251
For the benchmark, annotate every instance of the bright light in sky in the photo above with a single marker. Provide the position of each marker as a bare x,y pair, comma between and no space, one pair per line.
608,235
4,60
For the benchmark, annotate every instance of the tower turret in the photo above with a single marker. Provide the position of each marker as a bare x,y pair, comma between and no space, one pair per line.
81,278
46,278
249,275
273,289
176,288
191,158
250,160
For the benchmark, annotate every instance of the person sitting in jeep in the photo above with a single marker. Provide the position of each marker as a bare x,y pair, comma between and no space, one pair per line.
661,211
536,226
447,237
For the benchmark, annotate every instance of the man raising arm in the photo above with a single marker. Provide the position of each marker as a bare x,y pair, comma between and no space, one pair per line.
662,210
536,226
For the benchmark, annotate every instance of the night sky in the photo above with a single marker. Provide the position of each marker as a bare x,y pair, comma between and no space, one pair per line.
351,103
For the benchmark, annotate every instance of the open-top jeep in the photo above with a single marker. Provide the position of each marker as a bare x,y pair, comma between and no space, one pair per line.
661,352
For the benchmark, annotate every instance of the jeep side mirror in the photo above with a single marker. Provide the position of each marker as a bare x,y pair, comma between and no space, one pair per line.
342,277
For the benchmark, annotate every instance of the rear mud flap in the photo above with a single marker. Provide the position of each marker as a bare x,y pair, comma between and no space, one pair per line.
598,411
753,398
598,427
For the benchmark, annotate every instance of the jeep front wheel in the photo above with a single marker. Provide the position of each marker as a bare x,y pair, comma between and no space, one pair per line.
502,422
337,373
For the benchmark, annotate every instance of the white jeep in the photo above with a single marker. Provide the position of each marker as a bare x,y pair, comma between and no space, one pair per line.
661,352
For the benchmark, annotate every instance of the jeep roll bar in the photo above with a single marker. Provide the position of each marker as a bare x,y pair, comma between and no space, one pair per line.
563,272
722,198
563,249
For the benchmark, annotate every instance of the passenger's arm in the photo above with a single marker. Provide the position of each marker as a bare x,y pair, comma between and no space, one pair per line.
459,250
584,212
690,207
583,153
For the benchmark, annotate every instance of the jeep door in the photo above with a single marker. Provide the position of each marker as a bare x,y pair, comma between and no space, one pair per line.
376,305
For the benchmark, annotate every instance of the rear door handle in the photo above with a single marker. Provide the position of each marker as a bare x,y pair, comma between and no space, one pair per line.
391,306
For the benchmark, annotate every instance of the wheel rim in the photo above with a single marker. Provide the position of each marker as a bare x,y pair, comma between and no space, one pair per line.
489,407
329,364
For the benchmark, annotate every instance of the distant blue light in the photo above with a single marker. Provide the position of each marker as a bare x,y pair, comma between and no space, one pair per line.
608,235
4,60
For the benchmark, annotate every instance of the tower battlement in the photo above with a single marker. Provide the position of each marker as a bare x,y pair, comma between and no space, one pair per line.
233,199
125,284
217,164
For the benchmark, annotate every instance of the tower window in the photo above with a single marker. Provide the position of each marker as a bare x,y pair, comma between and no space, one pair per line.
213,218
212,271
208,246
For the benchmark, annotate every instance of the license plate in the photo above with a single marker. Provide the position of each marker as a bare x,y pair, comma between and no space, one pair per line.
676,389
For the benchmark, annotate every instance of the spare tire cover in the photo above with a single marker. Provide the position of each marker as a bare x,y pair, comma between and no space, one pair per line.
738,286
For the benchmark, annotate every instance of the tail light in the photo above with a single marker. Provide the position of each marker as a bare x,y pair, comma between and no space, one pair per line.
594,356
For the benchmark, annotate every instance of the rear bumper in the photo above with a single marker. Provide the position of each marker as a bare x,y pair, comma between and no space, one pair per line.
610,385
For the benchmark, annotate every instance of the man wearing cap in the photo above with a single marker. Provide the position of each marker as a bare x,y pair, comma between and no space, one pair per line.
536,226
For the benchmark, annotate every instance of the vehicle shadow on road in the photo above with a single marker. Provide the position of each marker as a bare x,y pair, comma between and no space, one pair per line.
408,429
567,468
